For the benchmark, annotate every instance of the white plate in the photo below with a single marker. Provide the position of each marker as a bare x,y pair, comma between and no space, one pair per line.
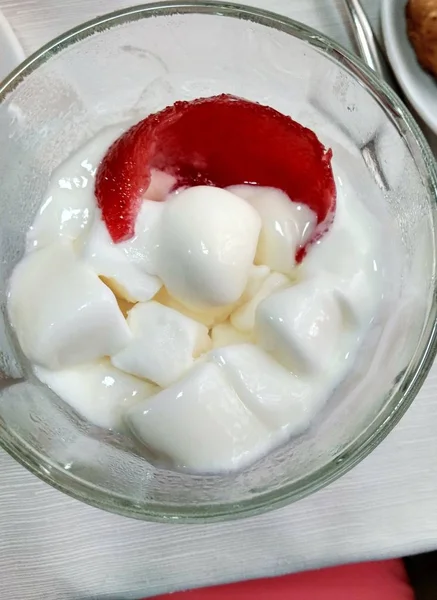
11,52
419,87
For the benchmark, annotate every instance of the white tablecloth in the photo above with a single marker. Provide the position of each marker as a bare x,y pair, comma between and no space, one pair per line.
54,548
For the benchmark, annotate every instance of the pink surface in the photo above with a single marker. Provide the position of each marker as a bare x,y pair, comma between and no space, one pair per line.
383,580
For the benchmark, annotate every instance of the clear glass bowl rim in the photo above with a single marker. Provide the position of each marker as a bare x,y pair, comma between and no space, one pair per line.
415,373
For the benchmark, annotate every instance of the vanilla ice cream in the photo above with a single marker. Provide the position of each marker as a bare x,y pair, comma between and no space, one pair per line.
207,246
97,391
301,326
69,204
164,345
243,318
128,267
286,226
279,398
62,313
200,424
200,335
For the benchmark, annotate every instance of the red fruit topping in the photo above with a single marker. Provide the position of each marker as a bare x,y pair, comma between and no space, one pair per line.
218,141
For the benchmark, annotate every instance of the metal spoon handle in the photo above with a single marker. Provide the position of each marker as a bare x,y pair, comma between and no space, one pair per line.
368,45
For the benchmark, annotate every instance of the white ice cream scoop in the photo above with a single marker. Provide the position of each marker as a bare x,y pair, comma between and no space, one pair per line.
286,226
62,313
301,326
349,255
243,318
200,424
98,391
164,343
129,267
207,246
69,205
213,316
280,399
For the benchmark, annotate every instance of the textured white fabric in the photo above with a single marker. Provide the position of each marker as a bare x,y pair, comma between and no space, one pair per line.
54,548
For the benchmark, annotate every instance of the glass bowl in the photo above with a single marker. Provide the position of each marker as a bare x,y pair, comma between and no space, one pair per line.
123,66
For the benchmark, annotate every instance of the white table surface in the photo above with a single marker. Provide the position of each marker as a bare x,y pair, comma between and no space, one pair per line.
54,548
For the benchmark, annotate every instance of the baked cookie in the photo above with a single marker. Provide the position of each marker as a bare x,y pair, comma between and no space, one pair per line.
422,31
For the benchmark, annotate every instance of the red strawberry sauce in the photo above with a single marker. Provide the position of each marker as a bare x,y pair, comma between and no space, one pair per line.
220,141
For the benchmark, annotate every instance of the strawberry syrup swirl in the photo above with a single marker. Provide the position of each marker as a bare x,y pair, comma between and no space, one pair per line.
220,141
